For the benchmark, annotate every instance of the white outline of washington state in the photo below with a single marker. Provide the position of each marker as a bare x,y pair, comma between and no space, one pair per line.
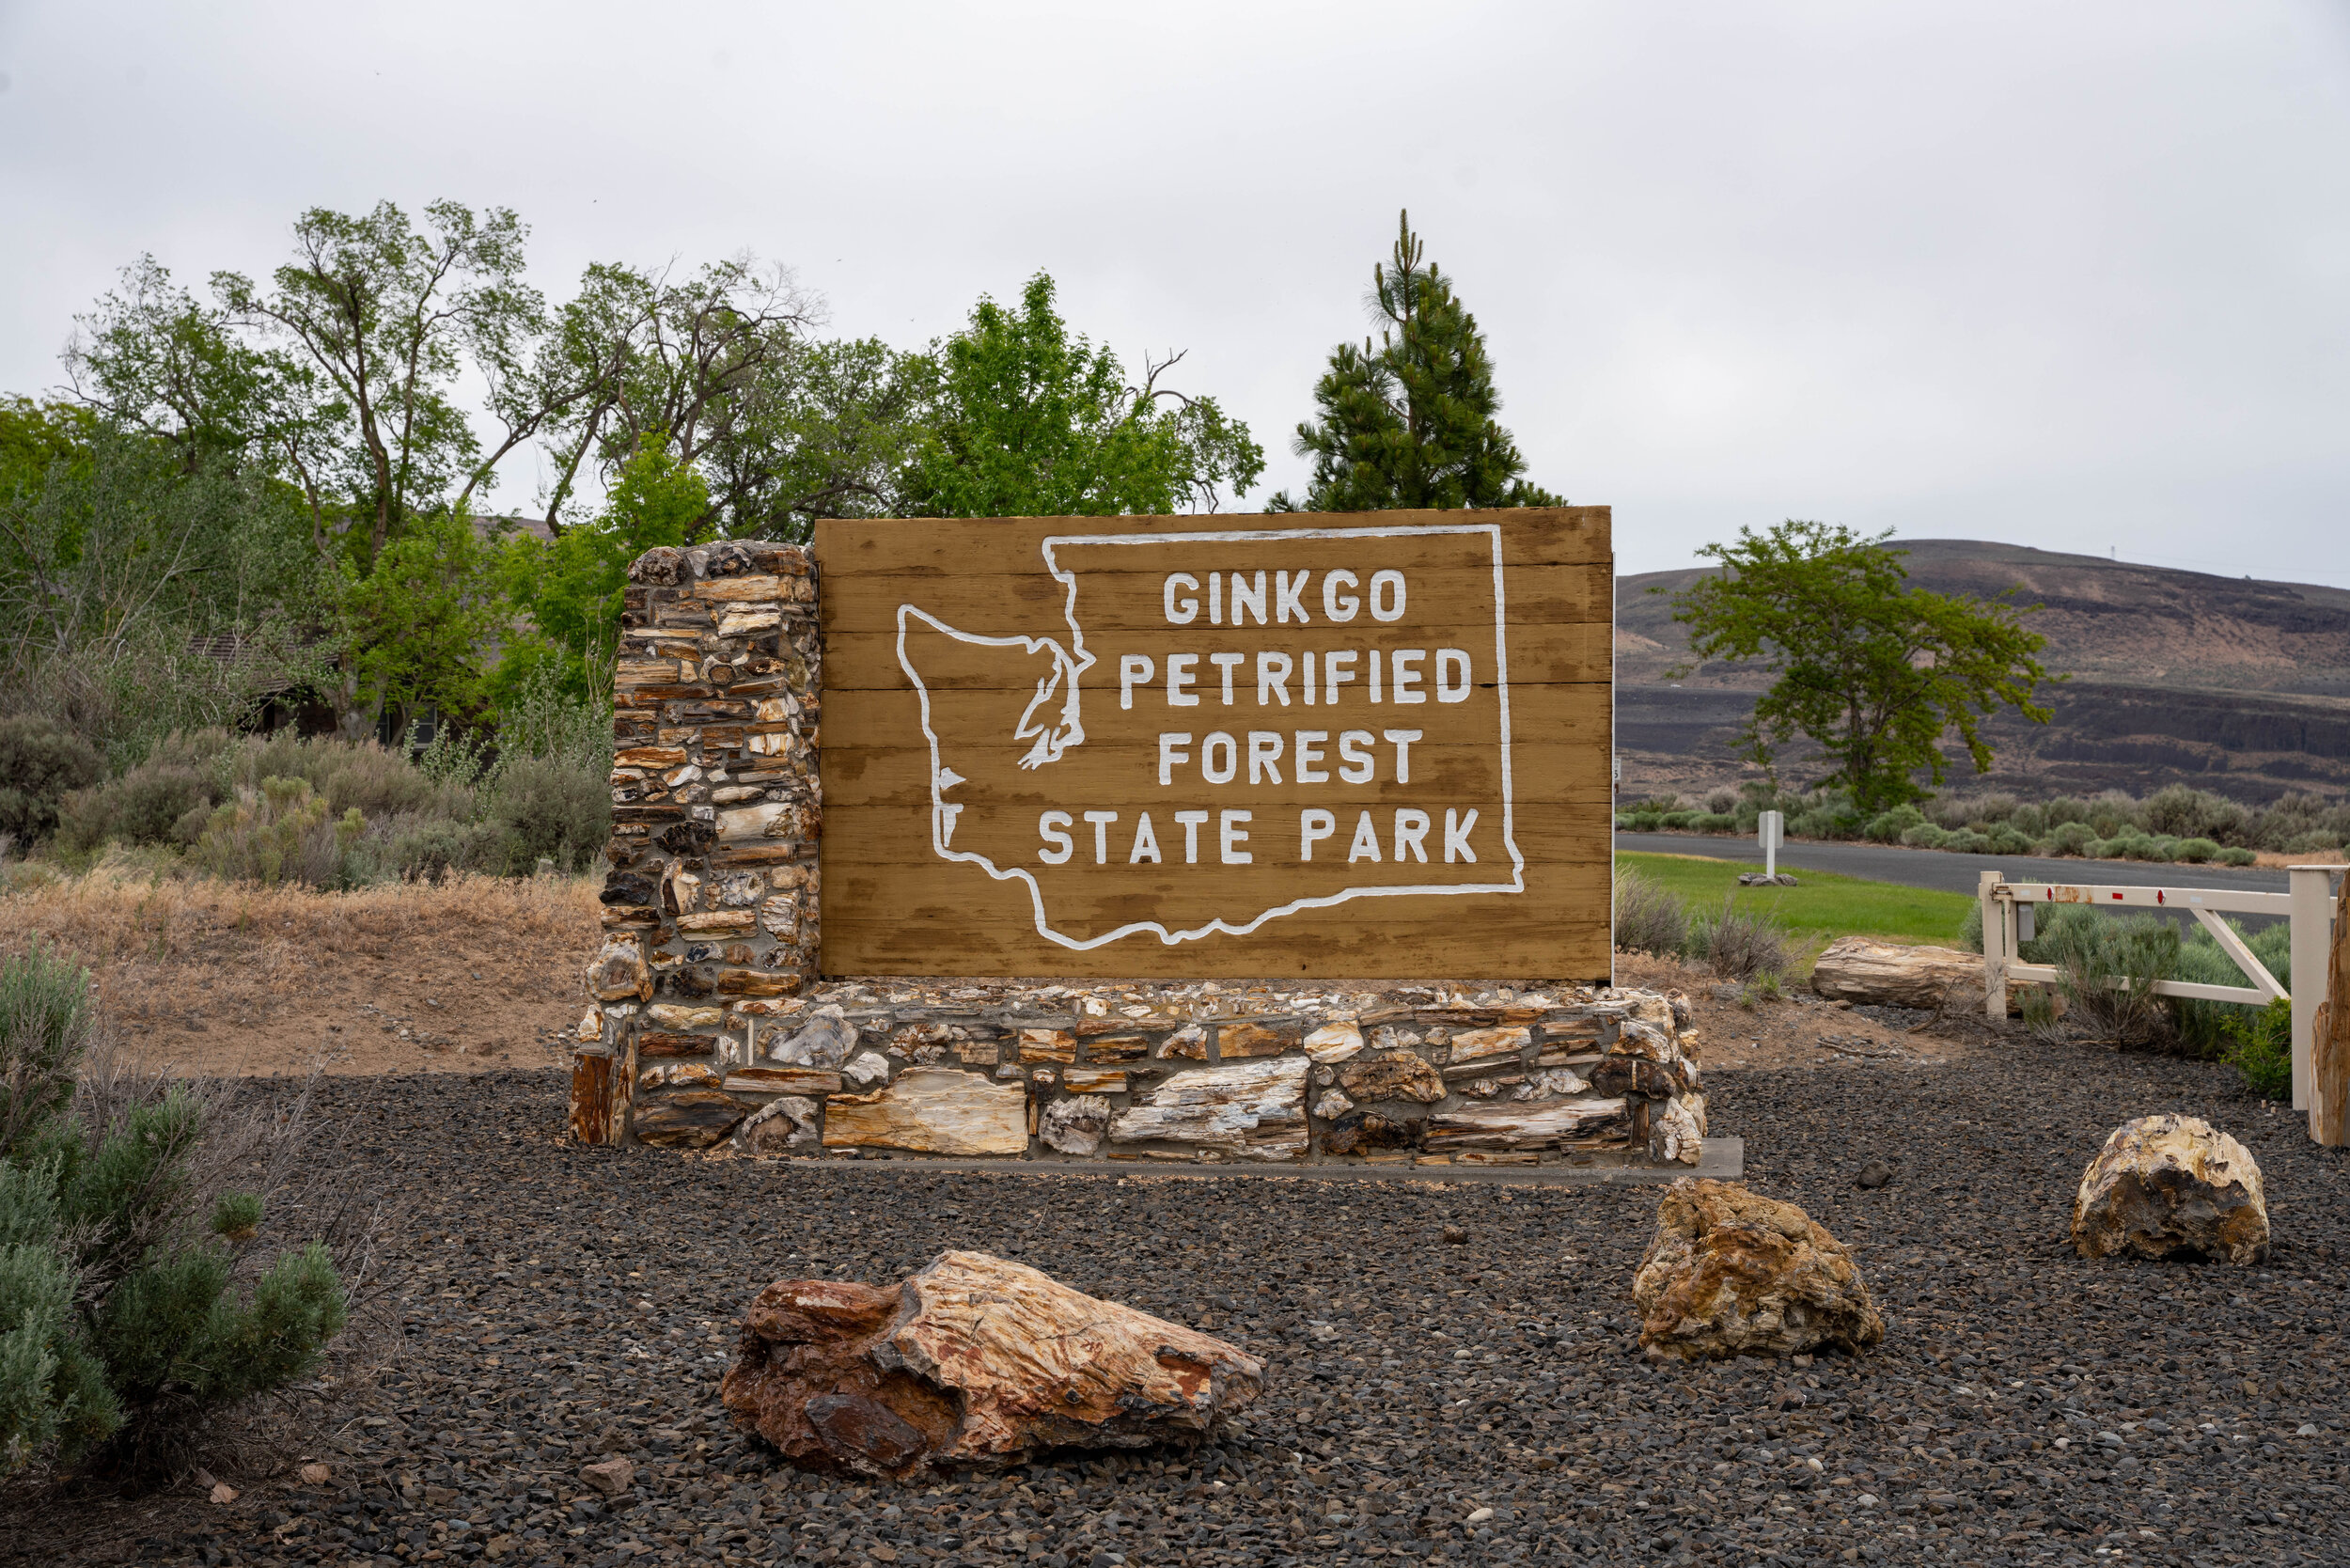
1054,737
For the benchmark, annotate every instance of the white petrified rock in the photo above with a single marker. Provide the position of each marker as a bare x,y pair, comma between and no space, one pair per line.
1676,1129
1076,1125
1478,1045
2166,1185
1550,1083
1254,1108
1333,1105
933,1111
866,1068
1334,1042
789,1122
671,1016
825,1040
1512,1125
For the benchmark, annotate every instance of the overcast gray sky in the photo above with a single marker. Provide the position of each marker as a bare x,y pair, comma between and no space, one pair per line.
2069,275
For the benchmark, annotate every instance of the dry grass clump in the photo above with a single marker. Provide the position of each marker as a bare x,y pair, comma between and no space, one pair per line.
142,931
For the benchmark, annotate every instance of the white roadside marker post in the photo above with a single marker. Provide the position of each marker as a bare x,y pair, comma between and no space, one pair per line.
1769,830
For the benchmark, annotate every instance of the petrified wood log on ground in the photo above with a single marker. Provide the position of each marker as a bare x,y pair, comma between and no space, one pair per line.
1854,969
973,1360
2171,1186
1732,1272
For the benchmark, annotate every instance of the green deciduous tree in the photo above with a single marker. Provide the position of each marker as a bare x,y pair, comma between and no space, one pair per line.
1030,421
1408,422
1872,672
382,317
571,588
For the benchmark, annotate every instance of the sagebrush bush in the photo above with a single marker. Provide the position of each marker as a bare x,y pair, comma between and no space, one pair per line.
134,1302
544,806
40,764
1742,942
278,832
1649,918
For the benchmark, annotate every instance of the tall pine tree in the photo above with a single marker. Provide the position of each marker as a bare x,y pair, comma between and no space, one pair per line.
1409,421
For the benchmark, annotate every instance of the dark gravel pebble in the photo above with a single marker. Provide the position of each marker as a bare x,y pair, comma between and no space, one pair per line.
1457,1403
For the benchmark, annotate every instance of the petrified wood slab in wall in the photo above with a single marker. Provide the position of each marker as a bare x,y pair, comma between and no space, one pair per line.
973,1360
1517,1124
933,1111
1252,1108
688,1118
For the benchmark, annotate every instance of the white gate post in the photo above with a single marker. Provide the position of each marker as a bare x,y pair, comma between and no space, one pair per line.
2312,939
1994,947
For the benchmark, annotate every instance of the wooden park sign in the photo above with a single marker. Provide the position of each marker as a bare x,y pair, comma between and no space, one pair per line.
1372,744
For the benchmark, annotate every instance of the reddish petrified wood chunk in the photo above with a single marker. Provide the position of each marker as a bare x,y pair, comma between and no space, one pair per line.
975,1361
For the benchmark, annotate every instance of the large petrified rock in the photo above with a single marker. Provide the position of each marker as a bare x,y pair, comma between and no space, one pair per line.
1255,1109
2169,1185
1854,969
1732,1272
933,1111
971,1361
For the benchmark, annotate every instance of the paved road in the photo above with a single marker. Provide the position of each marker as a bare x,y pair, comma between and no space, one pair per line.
1957,874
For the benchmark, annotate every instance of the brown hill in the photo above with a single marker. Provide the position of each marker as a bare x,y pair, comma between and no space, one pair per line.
2233,685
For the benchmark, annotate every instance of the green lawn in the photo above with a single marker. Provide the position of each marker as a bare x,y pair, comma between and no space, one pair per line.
1823,906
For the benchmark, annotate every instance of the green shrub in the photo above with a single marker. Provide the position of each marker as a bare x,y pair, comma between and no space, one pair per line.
1925,835
1887,827
280,832
1966,841
40,762
1711,821
2316,841
2236,854
1646,822
2180,811
548,808
2106,970
2194,851
1678,822
2260,1048
2205,1026
2063,809
2007,839
134,1298
1649,918
2069,837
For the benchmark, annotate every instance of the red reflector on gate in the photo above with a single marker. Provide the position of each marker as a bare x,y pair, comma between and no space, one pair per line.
2117,895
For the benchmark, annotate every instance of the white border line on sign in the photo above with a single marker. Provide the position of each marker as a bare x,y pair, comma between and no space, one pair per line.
1069,665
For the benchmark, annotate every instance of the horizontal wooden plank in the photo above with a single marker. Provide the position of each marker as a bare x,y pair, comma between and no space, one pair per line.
1035,602
948,546
1539,655
1546,832
868,776
1563,712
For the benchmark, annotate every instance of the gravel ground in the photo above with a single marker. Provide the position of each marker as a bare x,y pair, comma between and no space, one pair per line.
1480,1402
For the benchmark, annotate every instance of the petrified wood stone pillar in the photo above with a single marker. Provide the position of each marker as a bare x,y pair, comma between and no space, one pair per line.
710,905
